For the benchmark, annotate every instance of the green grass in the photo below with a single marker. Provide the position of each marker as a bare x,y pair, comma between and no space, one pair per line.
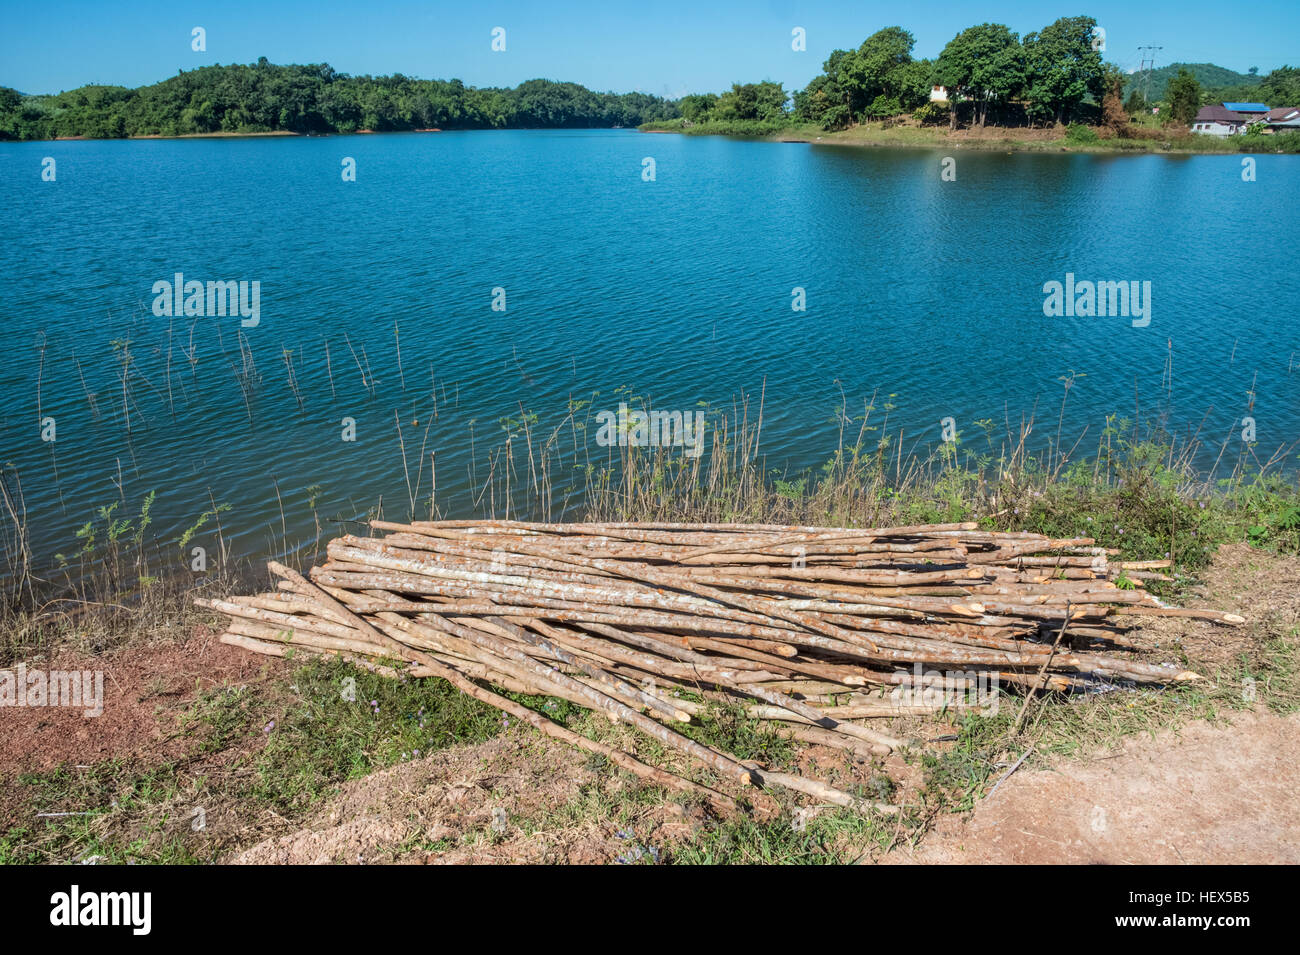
832,837
322,738
726,727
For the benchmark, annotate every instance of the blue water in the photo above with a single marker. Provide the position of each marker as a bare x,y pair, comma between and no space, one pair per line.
923,292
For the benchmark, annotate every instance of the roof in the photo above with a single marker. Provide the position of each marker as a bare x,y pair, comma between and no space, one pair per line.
1217,114
1284,113
1246,107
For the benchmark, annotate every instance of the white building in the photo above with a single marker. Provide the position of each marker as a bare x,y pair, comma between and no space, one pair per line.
1227,119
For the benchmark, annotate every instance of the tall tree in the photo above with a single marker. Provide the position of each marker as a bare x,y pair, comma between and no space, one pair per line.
985,64
748,101
830,98
914,81
876,69
1062,66
880,74
1184,95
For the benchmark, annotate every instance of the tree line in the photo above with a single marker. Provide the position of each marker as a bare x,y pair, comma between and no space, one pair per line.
314,99
1048,74
1053,75
990,73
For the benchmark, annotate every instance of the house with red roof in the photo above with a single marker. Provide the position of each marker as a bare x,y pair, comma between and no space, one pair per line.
1228,119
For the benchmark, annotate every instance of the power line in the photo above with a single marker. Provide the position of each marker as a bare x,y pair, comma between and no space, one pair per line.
1148,64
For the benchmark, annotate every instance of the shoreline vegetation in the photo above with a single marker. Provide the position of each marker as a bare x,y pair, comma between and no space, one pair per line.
906,134
1138,490
989,88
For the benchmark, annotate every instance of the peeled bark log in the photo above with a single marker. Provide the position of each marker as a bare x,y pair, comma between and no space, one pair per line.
637,621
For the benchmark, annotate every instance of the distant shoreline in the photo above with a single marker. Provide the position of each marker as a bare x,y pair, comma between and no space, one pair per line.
285,133
989,139
223,135
217,135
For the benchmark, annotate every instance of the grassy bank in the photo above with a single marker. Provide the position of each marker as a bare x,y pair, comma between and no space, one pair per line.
908,133
266,751
1134,488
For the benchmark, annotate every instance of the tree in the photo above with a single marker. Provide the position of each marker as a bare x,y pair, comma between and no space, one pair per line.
1281,87
316,98
853,82
698,107
752,101
1184,95
1113,115
914,81
876,68
1136,102
827,100
839,89
985,64
813,101
883,106
769,101
1062,67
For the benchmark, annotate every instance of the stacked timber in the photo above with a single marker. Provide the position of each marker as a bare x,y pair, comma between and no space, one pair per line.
816,629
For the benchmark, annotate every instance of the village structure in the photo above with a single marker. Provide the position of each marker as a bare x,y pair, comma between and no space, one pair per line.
1229,119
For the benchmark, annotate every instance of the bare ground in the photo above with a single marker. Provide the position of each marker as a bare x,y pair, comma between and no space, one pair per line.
1202,794
144,687
412,812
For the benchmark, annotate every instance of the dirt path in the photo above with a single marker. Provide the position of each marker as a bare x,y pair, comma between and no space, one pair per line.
1199,793
1204,794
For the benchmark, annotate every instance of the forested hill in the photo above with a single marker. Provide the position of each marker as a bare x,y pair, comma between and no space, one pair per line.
313,98
1210,76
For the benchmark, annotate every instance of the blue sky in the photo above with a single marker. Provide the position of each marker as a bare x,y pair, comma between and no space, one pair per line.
658,46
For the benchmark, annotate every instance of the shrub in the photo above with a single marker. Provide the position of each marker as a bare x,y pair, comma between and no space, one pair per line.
931,114
1080,134
883,106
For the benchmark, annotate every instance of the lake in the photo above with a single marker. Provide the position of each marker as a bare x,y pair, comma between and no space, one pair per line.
675,292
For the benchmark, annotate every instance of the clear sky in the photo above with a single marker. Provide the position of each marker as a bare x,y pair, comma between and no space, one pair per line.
668,47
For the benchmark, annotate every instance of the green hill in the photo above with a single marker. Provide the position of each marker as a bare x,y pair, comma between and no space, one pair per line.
1210,77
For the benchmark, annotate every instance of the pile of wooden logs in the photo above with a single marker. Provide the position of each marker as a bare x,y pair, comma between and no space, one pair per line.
814,628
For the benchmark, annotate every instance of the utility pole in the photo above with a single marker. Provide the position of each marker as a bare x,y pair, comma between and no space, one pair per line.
1148,64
